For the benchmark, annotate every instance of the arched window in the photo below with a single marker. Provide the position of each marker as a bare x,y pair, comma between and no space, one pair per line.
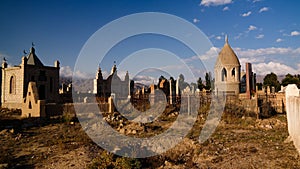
12,85
233,72
224,75
29,105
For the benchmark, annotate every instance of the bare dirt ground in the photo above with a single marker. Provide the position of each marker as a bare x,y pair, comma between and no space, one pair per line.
237,143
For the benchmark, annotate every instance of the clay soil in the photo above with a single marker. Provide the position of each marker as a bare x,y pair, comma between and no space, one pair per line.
243,142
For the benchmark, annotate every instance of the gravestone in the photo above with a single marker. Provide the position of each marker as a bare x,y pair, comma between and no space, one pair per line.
293,113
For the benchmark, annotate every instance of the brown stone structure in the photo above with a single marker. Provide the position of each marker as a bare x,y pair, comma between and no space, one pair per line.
15,81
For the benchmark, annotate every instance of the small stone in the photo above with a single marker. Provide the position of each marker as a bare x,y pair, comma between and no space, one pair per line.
167,163
288,140
122,131
4,165
3,131
217,159
268,126
253,150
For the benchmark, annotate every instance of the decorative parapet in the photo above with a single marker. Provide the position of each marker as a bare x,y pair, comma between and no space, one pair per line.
32,106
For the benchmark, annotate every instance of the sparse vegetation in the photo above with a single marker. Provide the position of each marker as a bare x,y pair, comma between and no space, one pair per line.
240,141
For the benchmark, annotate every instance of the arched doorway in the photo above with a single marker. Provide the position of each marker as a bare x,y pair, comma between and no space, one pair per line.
224,75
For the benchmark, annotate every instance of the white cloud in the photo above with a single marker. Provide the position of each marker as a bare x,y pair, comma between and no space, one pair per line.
264,9
210,54
226,8
211,36
218,37
195,20
256,1
264,60
266,51
66,71
260,36
146,80
252,53
295,33
238,36
279,40
246,32
215,2
250,60
277,68
252,28
246,14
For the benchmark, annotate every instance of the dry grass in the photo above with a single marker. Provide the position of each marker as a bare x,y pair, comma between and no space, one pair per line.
238,142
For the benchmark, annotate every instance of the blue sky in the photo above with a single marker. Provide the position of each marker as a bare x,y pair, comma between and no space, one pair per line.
263,32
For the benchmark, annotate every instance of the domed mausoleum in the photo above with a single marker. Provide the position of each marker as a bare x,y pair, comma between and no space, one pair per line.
227,71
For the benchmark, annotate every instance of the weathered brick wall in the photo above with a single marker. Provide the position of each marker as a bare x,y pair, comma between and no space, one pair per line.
12,100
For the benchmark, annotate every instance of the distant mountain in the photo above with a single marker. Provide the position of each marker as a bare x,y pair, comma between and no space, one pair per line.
83,85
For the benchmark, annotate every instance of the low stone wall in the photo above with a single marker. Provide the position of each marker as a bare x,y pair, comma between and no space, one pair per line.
250,105
293,113
53,109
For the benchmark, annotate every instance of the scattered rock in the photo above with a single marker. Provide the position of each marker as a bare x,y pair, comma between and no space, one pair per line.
3,131
133,132
288,140
217,159
18,136
122,131
253,150
167,163
268,126
3,166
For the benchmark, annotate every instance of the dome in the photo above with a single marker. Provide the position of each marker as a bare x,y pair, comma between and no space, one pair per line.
227,56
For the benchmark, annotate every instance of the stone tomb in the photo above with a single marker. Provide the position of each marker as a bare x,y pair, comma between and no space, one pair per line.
293,113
